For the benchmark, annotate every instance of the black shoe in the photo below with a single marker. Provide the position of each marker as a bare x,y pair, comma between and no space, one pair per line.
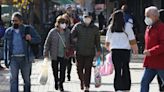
86,90
69,78
56,86
2,68
82,85
61,87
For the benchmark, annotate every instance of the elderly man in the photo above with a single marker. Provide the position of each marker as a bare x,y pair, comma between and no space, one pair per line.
154,48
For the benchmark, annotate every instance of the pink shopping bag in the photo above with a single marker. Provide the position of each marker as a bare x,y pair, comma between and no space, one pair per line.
107,67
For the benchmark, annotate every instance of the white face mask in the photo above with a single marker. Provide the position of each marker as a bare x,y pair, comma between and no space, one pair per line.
148,21
87,20
63,25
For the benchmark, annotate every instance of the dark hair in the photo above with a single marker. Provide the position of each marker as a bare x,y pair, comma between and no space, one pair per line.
124,8
117,21
161,17
18,15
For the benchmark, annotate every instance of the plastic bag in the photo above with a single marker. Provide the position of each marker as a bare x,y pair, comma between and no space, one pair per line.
43,77
97,76
107,67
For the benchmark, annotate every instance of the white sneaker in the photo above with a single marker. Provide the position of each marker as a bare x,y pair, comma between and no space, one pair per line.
119,91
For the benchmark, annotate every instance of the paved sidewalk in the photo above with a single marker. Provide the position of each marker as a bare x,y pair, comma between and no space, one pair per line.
74,84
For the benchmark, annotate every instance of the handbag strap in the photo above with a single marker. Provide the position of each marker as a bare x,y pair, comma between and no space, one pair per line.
61,40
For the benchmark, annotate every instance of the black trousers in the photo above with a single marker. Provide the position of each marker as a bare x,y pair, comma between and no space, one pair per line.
69,66
121,59
84,66
59,76
161,86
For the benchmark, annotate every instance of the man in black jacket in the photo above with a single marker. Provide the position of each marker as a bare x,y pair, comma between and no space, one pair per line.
87,41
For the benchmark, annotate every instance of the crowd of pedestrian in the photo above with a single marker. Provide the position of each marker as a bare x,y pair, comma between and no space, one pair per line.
76,39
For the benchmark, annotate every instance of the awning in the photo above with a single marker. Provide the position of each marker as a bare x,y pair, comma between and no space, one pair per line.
66,1
7,9
56,1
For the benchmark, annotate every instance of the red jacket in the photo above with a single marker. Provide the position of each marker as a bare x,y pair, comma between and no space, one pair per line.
154,42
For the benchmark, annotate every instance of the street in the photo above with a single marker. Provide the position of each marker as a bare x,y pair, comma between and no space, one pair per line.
74,84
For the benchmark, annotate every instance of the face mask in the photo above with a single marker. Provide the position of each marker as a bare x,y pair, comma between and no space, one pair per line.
63,25
148,21
15,26
87,20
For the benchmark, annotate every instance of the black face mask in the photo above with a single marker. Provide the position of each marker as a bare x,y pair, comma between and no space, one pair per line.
15,26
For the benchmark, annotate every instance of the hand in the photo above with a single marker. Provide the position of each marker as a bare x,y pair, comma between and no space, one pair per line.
28,37
45,59
135,51
98,53
147,53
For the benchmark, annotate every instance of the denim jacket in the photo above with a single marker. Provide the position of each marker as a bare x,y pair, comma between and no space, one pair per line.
8,40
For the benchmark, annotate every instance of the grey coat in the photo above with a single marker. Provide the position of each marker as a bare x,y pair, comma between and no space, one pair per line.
51,43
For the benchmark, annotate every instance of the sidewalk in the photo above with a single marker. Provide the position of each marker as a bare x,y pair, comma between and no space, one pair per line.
74,84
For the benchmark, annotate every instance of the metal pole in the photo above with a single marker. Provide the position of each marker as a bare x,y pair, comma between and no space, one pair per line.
0,11
106,8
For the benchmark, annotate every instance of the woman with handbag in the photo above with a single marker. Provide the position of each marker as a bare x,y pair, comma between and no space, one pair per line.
119,40
56,44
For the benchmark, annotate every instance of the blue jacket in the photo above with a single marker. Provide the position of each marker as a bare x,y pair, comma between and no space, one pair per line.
8,40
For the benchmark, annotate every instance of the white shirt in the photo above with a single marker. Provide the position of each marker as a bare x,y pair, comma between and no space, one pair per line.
120,40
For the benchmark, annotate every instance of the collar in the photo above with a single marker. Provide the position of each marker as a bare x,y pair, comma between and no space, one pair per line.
91,24
156,23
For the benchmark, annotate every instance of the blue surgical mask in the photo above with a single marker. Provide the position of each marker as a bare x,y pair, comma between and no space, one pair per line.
148,21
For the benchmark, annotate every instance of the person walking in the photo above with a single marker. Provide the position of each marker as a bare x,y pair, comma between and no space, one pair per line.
101,20
161,86
119,40
2,32
154,48
17,51
68,16
87,40
56,44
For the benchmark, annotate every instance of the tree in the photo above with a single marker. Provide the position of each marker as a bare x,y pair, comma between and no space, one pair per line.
22,3
24,6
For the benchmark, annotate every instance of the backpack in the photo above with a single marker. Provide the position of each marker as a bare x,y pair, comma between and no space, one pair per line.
34,47
133,22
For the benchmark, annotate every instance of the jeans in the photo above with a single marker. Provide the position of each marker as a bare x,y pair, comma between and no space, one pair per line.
148,76
19,63
122,78
84,66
